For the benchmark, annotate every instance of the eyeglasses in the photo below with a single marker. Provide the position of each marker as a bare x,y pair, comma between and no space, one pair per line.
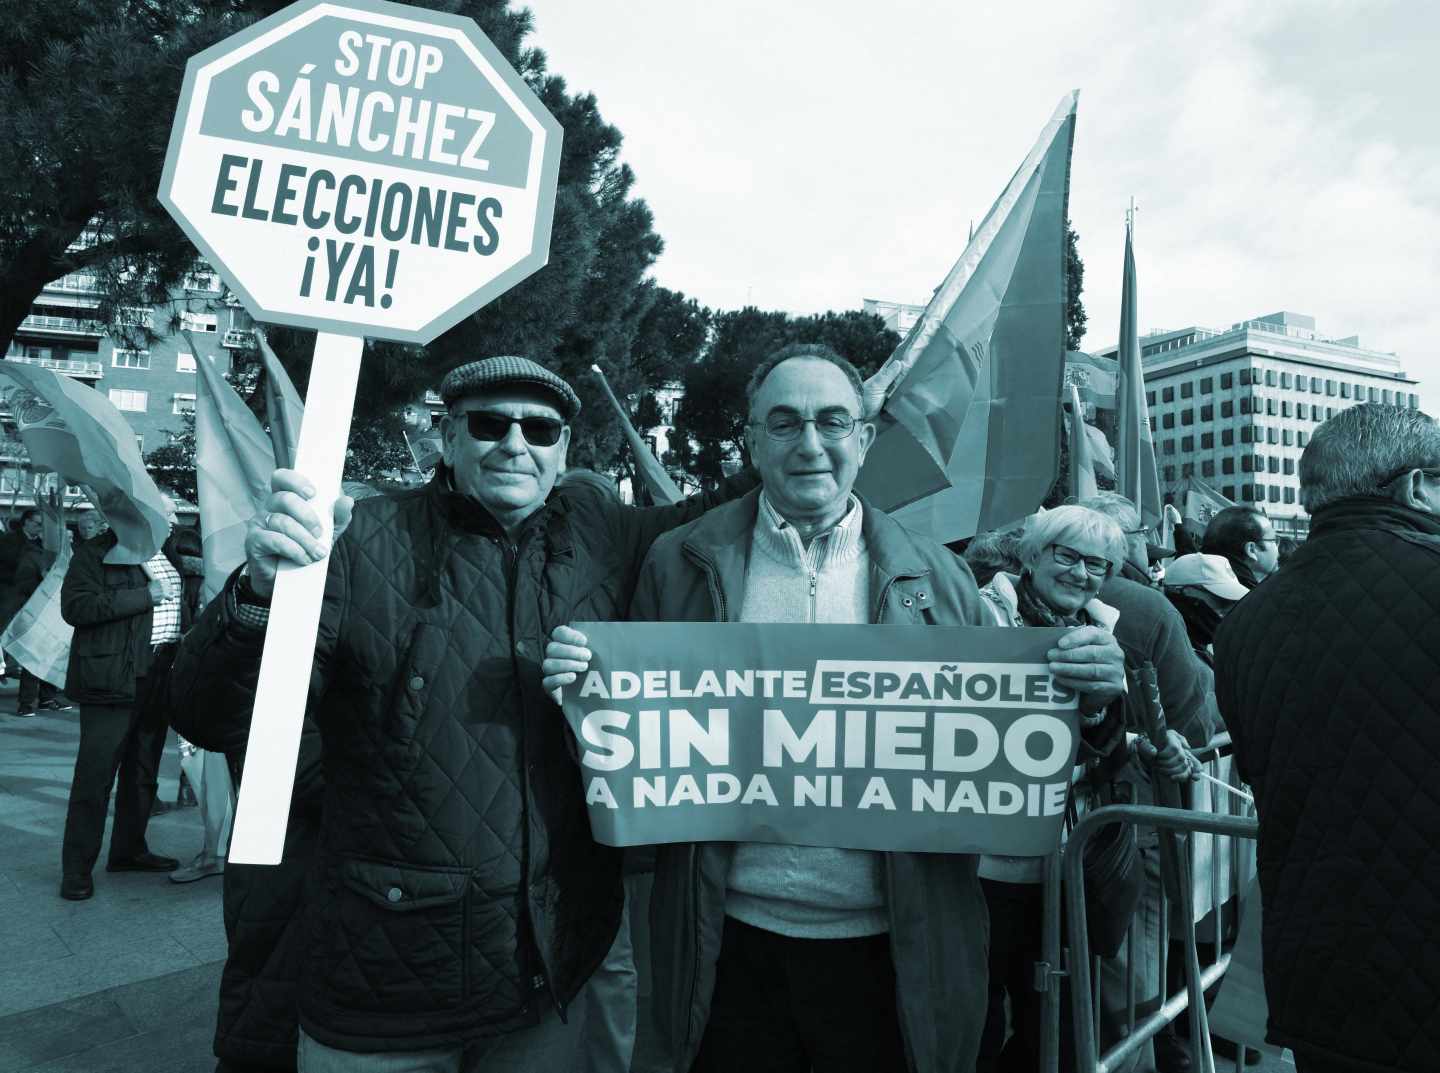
489,426
783,426
1068,557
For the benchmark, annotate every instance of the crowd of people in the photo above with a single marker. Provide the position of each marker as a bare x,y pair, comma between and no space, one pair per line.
443,907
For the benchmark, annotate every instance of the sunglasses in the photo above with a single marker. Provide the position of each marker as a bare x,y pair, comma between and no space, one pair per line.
491,427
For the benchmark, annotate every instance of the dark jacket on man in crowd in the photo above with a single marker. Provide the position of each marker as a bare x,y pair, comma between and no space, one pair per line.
31,566
1329,680
112,612
460,890
939,926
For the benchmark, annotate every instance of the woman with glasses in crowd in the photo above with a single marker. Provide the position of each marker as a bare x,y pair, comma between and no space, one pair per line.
1066,555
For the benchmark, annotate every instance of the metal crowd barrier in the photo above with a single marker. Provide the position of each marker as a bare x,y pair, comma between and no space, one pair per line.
1230,870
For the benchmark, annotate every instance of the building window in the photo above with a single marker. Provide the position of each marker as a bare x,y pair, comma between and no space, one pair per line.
1187,444
1245,405
1289,495
1187,390
1273,464
1271,407
1246,377
1388,396
1227,380
1227,437
1272,435
1289,467
1329,387
1316,386
1247,464
1287,437
198,322
1329,412
1247,434
1414,402
1301,439
135,402
1270,378
1274,493
1227,465
182,404
1152,423
184,363
1207,412
1227,408
1167,447
130,359
1169,473
1167,394
1187,469
1286,408
1302,411
1207,468
1207,441
1374,394
1247,493
1286,380
1168,421
1187,417
1228,491
1149,398
1344,390
1207,385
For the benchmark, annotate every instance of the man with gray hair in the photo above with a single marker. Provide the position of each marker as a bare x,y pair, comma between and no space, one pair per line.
1327,677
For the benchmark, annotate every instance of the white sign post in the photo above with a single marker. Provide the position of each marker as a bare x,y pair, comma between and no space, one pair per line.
360,168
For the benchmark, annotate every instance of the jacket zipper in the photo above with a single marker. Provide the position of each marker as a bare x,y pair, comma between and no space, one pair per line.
540,981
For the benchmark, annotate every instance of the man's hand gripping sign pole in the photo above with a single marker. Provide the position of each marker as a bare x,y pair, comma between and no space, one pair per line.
363,169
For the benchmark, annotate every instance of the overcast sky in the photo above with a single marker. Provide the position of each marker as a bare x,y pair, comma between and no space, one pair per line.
806,154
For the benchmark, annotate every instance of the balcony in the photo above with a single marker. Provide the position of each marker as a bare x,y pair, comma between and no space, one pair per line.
62,325
81,370
76,283
238,339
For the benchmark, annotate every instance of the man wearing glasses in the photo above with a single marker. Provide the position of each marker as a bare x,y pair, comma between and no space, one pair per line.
1328,676
1244,536
465,904
807,958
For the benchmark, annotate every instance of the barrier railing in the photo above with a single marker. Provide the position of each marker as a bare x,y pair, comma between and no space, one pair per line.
1085,1007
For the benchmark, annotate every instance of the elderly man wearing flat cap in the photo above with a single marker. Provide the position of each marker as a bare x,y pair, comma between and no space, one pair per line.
462,903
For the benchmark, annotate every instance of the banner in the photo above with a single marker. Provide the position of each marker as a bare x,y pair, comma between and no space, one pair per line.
926,739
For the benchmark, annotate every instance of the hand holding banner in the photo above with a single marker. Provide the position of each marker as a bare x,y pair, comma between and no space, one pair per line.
960,742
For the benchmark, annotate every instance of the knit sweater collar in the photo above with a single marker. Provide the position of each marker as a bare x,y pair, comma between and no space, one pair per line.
778,539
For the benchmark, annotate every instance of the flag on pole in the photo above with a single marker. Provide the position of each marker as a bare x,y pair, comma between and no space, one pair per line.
1082,472
1199,502
75,431
233,463
284,412
968,438
646,464
1135,457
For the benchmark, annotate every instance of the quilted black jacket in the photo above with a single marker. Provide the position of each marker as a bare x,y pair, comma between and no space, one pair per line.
461,888
1328,676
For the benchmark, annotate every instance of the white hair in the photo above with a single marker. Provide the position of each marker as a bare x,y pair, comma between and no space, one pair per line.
1116,507
1066,525
1361,449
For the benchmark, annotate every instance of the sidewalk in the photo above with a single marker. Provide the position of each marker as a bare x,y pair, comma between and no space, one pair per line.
126,981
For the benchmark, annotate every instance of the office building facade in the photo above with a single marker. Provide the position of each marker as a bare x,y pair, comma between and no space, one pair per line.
1236,407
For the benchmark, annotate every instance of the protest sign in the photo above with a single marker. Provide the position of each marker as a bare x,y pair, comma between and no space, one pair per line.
360,168
918,738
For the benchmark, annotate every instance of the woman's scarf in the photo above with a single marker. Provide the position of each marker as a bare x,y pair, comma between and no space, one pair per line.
1036,612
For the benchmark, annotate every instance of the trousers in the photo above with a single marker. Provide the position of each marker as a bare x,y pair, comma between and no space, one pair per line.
553,1044
784,1005
112,738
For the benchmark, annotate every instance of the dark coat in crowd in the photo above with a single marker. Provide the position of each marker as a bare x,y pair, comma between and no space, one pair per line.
31,565
459,888
1329,679
112,612
939,926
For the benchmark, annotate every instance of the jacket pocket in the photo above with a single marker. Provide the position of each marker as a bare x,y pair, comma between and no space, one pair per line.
393,939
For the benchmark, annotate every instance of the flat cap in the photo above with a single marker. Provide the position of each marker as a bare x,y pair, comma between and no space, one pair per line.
489,374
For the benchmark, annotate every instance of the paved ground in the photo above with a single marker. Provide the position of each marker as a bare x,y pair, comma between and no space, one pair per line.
125,981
